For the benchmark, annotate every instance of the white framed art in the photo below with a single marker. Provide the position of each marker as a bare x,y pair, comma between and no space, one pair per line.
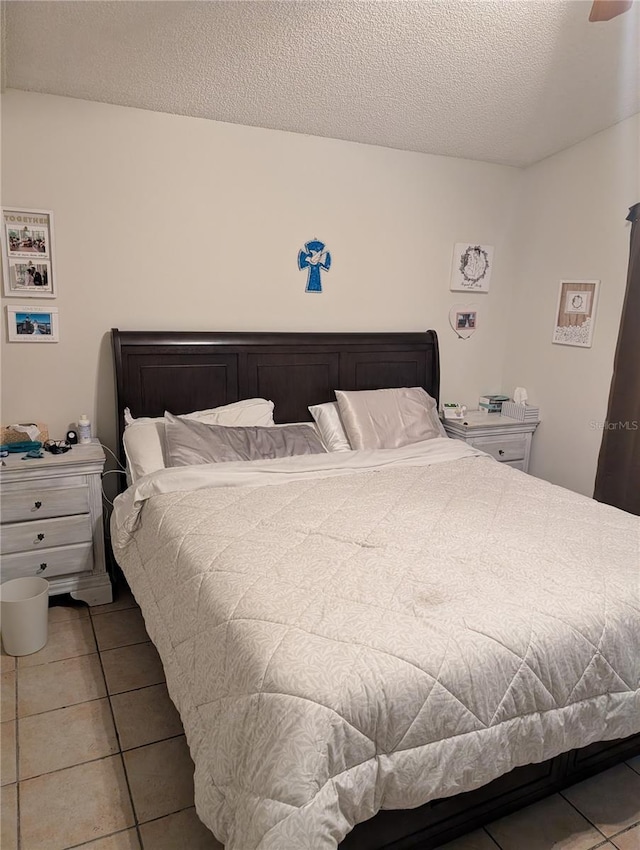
28,253
32,323
471,267
463,319
576,312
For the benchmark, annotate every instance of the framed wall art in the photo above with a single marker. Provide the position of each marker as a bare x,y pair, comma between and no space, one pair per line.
575,312
471,268
28,253
32,323
463,319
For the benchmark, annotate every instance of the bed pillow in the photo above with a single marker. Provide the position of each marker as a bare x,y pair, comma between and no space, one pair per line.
327,418
387,419
143,442
144,438
190,442
249,411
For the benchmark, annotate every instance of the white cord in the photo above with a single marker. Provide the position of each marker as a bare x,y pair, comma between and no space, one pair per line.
121,471
114,456
113,472
104,475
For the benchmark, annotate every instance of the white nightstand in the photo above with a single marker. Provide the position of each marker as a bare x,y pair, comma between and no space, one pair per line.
52,522
505,439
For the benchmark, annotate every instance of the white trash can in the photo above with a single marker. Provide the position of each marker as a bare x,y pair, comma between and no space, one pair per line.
24,614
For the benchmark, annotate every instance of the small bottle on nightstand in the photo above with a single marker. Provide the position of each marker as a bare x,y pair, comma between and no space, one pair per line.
84,430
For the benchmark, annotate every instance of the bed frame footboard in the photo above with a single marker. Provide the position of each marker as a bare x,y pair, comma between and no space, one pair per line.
435,823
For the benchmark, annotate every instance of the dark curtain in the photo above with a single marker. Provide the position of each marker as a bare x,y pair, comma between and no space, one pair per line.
618,476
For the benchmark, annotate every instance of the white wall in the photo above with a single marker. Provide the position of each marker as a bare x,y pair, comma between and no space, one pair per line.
166,222
571,225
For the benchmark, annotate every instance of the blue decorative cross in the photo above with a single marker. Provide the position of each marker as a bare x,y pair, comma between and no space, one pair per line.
315,258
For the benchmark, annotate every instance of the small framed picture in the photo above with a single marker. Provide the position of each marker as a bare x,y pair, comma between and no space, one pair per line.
32,323
463,319
28,253
471,268
466,320
575,312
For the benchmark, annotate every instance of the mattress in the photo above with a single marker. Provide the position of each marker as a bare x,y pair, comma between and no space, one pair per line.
379,629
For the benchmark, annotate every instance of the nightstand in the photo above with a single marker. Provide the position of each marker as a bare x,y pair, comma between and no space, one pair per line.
507,440
52,522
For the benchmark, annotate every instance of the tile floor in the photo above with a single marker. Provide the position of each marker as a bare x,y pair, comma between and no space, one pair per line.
93,751
94,755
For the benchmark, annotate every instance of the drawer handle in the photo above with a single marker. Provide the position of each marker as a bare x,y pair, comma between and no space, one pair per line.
39,538
500,452
37,505
43,567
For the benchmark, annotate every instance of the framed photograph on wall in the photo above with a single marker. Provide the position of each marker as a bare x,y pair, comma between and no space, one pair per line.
575,312
463,319
466,320
28,253
31,323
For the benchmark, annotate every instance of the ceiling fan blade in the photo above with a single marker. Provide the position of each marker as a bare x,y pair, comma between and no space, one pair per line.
605,10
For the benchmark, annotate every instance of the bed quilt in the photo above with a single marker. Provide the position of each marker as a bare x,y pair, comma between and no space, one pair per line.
342,635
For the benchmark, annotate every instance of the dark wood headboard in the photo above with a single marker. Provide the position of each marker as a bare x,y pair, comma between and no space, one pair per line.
183,371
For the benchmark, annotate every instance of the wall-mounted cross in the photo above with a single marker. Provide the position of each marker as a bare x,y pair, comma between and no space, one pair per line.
315,258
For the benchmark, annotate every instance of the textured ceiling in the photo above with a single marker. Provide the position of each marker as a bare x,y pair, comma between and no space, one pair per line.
508,82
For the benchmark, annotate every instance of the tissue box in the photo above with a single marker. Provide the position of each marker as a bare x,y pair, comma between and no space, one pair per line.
10,435
522,412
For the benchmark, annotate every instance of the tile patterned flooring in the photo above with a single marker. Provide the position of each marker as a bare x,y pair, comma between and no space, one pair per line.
94,755
93,751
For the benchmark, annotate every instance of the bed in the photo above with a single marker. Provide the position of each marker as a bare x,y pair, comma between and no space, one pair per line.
292,620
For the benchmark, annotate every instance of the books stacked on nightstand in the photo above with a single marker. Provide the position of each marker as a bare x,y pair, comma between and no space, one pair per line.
522,412
492,403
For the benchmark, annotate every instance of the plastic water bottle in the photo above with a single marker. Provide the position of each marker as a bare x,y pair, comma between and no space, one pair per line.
84,430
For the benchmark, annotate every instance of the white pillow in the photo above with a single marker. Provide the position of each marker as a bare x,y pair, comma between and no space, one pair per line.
249,411
388,419
144,439
143,442
327,418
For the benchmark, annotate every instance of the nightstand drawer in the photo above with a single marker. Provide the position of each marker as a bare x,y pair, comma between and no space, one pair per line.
45,533
49,562
507,448
506,440
43,503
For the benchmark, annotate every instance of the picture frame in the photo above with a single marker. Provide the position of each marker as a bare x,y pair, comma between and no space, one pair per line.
466,320
32,323
576,312
471,267
463,319
28,253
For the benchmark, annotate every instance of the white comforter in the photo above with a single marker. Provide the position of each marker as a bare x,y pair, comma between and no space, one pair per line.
406,628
